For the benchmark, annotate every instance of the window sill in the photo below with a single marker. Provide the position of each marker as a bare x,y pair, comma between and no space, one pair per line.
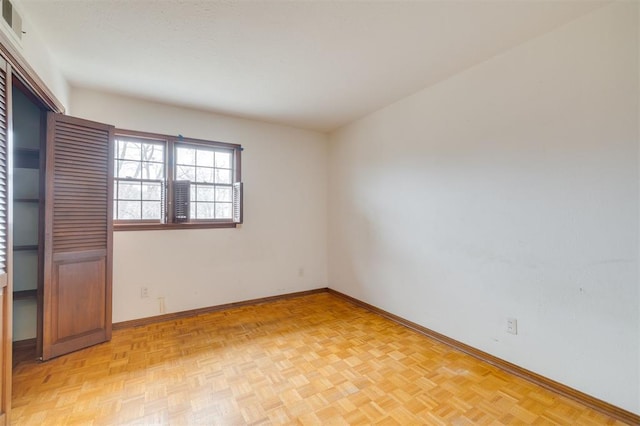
170,226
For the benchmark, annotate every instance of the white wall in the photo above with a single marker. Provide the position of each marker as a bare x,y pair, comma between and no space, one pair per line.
508,190
280,248
34,50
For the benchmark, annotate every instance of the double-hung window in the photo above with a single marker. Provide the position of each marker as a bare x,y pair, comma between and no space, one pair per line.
139,179
175,182
210,172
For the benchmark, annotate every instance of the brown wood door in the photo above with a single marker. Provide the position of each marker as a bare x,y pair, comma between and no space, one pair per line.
78,235
6,296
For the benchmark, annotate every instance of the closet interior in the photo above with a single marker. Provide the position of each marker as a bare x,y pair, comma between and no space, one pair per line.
29,122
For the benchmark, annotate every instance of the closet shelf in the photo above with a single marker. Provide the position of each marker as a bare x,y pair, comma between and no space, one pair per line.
26,158
25,294
25,247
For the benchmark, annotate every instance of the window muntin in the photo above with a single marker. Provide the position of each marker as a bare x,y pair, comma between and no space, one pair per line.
210,171
139,179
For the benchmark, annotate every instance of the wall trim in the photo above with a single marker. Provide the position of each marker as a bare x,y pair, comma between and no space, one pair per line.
24,344
566,391
193,312
23,350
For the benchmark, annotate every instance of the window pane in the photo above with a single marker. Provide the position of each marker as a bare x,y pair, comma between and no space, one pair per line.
223,176
205,158
223,160
204,175
153,152
127,169
117,148
152,170
152,191
185,156
185,173
223,194
223,210
128,150
151,210
206,210
129,210
192,194
128,190
193,211
206,193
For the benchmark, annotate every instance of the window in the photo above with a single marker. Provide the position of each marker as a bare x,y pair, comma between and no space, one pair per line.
210,171
139,179
165,182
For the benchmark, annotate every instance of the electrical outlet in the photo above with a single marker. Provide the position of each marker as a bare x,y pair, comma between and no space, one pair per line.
144,292
512,326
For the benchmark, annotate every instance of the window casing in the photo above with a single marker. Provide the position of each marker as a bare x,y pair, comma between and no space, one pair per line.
149,168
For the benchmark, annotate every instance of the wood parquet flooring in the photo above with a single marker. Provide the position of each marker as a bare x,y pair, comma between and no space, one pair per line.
313,360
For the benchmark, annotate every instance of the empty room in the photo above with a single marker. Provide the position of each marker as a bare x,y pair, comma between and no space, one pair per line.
320,212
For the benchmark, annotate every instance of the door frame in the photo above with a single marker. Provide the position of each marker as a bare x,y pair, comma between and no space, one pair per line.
18,68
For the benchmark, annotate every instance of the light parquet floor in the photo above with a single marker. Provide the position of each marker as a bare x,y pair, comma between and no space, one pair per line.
310,360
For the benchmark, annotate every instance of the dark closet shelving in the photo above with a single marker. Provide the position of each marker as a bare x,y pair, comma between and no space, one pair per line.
27,154
25,294
26,158
25,247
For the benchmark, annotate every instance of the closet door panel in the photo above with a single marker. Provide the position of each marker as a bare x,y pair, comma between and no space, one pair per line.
77,283
78,235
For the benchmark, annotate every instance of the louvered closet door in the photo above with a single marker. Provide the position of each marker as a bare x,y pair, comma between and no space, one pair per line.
78,235
6,298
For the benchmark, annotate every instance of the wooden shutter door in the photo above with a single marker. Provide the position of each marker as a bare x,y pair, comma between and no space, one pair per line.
78,235
6,298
